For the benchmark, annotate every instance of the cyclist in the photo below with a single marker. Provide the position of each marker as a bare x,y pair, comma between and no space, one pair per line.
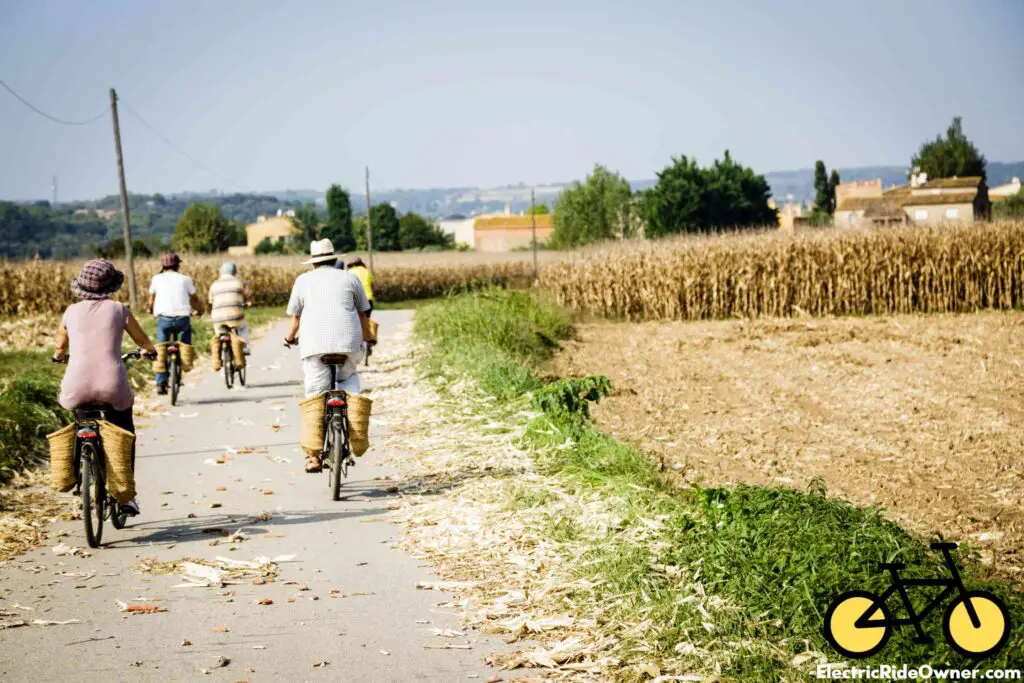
93,329
328,309
228,296
359,269
172,299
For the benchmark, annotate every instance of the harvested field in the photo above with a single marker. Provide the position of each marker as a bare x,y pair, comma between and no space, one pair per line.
923,415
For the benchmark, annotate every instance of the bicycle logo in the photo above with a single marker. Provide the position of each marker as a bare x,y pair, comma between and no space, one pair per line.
976,624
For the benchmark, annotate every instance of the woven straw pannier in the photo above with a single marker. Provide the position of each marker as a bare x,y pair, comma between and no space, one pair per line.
237,350
117,447
359,423
187,353
373,331
62,458
160,364
311,429
215,352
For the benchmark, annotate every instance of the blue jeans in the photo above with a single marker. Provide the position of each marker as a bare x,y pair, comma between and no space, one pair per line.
165,326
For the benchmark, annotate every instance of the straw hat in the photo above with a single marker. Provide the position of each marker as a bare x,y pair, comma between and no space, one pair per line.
320,251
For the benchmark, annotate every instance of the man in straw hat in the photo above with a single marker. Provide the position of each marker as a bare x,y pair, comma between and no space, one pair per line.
92,330
328,309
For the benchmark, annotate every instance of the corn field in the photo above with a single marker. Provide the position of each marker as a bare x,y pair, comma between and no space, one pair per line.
829,272
44,287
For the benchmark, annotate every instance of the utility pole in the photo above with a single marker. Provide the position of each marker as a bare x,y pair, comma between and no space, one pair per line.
55,191
126,220
533,224
369,221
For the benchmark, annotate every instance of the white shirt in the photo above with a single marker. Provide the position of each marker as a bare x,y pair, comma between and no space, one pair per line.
172,290
326,299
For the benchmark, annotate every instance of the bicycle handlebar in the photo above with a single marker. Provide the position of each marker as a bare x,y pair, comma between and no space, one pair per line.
131,355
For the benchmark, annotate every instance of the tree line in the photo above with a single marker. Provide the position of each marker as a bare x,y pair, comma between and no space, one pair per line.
203,228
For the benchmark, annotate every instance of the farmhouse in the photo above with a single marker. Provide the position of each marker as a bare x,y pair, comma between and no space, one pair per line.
276,228
922,202
498,232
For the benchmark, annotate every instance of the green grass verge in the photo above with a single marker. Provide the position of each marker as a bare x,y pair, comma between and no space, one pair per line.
777,556
29,384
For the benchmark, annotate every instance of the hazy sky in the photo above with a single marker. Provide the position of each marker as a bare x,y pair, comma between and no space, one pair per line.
299,94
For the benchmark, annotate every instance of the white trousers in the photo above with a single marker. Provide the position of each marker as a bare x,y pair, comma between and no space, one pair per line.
318,375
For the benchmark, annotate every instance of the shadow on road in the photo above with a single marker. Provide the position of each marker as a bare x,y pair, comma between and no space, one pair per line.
271,385
236,398
182,530
216,450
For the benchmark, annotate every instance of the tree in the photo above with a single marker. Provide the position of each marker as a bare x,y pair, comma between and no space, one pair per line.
953,155
203,229
597,209
416,232
307,221
1011,207
115,249
386,229
339,219
833,183
359,232
688,198
821,191
269,246
540,209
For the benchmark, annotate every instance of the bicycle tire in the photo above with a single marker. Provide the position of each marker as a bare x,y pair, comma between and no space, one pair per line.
842,634
337,461
92,501
229,366
175,378
994,629
241,376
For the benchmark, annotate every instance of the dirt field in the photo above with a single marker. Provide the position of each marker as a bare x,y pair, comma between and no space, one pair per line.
923,415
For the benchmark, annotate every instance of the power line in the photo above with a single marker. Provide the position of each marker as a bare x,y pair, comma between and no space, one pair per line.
177,149
52,118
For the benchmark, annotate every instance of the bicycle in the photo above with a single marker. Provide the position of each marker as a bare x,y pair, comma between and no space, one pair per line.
336,456
173,367
227,359
91,472
976,624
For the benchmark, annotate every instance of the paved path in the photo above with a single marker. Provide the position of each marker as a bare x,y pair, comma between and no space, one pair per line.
376,632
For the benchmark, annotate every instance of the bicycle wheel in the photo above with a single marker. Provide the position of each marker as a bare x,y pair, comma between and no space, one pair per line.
845,636
229,367
93,496
993,625
337,459
175,377
241,376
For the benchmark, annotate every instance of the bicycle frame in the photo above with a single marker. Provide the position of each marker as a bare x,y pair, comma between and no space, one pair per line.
953,585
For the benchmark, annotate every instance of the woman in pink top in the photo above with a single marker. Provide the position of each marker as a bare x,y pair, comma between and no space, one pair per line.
93,328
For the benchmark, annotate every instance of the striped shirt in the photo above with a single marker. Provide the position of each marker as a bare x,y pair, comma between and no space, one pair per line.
227,298
326,300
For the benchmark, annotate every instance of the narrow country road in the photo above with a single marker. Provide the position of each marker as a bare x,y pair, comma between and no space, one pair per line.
346,607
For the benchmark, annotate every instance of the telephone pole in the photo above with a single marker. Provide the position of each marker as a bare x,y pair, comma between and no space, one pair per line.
369,221
533,225
55,191
126,220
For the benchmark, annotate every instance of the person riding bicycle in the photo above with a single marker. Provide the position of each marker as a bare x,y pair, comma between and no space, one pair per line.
93,329
328,309
359,269
228,297
172,299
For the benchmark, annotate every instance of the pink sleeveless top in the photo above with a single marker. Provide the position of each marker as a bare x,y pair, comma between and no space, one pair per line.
95,372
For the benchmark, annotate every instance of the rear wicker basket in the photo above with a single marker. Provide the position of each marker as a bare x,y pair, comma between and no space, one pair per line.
62,458
311,430
117,447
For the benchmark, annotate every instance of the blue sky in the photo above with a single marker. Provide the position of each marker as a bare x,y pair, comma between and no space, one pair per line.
299,94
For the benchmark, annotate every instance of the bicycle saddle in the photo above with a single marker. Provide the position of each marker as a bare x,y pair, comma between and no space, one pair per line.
943,546
333,358
90,410
891,565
